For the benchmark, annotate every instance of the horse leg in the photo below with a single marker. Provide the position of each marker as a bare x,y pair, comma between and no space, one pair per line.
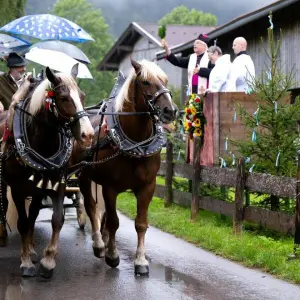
90,208
103,229
47,264
81,217
143,196
34,210
111,225
3,210
27,267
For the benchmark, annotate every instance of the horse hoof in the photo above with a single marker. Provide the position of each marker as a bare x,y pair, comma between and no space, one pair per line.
28,271
141,270
113,263
98,252
45,273
81,226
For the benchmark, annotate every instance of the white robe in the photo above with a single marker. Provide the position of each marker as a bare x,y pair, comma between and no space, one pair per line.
219,74
242,71
202,82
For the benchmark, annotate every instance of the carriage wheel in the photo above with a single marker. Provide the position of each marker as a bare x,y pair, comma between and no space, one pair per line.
81,216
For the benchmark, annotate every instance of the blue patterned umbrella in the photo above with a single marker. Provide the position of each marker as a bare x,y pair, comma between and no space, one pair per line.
47,27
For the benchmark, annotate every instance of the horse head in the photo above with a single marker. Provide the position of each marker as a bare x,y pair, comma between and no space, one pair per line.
148,84
66,103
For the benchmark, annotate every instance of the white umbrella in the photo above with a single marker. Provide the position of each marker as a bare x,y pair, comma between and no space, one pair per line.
57,61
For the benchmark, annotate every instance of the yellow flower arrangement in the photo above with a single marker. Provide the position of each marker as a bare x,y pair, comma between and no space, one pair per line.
194,119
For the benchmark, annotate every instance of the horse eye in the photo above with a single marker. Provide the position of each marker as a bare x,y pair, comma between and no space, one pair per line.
145,82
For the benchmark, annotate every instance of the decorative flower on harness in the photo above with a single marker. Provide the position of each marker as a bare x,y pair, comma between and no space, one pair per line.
49,98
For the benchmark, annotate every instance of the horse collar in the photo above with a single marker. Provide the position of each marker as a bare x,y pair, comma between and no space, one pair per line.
145,148
28,155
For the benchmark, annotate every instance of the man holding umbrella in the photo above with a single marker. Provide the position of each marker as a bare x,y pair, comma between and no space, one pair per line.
10,81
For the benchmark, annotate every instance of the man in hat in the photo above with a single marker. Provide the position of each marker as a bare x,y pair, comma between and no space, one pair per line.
198,64
242,69
10,81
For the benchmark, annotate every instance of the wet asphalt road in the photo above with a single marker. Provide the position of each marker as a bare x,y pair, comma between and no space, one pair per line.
178,270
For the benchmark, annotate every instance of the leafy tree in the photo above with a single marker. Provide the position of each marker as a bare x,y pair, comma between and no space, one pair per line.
11,10
90,19
182,15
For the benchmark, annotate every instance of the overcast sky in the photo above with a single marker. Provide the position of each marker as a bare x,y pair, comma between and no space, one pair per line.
119,13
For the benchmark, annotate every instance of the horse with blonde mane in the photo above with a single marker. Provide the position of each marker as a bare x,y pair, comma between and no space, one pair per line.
126,155
35,158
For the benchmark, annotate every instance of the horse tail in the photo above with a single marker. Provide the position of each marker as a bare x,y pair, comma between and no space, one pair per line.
12,213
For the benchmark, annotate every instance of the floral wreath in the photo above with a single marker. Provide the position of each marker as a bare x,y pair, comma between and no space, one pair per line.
194,119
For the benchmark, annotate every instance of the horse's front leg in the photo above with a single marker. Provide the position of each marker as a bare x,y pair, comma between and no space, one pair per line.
48,263
111,225
144,196
91,210
34,210
27,267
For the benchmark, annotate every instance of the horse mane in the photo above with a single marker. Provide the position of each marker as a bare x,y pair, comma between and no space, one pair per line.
40,93
149,72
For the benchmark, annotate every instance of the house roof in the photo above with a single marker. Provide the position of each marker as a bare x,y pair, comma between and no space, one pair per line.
234,24
175,35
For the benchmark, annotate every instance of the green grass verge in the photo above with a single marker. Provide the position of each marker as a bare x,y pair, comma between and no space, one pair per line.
251,249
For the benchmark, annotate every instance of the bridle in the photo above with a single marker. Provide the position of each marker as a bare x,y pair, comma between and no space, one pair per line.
149,99
68,121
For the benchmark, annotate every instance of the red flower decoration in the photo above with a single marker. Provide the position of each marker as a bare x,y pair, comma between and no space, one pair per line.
197,100
51,94
189,111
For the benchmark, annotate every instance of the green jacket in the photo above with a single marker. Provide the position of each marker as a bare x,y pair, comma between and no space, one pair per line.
7,89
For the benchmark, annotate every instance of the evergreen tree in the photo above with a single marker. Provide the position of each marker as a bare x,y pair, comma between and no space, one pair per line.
273,135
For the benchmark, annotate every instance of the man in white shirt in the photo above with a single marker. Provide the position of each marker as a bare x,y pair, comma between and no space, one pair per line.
242,69
219,74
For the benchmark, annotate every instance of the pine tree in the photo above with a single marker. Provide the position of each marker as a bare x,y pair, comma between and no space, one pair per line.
273,134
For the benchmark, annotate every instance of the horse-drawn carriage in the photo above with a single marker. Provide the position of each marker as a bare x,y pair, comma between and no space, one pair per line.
126,138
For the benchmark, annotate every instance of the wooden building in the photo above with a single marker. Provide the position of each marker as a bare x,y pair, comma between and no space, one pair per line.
140,41
253,26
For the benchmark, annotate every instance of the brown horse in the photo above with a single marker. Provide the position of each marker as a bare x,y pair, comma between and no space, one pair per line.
48,132
133,160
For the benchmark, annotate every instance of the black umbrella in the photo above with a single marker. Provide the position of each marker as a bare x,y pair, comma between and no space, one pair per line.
64,47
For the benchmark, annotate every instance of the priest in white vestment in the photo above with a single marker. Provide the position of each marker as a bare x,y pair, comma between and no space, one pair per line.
198,64
219,74
242,69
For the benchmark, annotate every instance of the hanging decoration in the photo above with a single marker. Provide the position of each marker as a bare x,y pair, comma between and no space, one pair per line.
251,169
223,162
254,135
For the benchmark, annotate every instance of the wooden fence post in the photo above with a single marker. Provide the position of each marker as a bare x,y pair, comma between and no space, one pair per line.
297,214
238,214
169,174
196,178
187,158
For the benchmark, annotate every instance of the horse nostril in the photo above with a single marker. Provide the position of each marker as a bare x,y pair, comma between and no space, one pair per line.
166,110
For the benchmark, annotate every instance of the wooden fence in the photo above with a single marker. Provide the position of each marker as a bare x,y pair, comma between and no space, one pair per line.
237,178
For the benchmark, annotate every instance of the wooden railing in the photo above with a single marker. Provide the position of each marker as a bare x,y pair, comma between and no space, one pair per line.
239,179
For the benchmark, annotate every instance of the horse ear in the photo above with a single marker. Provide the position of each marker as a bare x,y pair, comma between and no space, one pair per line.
137,66
51,76
74,71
